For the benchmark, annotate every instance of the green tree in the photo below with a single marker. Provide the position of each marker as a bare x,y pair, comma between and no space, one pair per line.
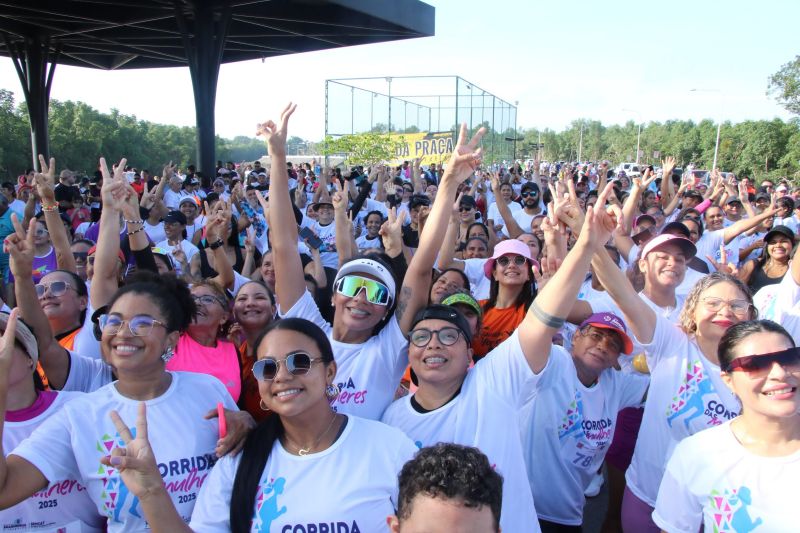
784,85
365,148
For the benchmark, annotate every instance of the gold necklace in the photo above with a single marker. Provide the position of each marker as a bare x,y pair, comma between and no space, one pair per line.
306,451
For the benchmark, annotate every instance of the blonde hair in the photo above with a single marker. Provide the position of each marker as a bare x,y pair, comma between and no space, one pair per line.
687,322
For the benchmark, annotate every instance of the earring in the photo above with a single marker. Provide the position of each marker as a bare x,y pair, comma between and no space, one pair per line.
168,354
332,392
262,405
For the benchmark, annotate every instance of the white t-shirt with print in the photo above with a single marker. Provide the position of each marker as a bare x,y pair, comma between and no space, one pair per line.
478,282
70,445
686,396
353,482
189,250
364,242
328,251
484,415
713,480
64,505
566,432
367,373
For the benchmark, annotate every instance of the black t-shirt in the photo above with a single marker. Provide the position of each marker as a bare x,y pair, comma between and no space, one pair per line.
66,193
410,237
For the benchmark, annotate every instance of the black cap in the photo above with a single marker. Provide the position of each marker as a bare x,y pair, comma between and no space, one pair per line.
763,196
677,228
530,186
692,193
780,230
175,216
468,201
446,313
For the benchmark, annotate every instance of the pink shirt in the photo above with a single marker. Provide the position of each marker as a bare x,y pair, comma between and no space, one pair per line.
220,361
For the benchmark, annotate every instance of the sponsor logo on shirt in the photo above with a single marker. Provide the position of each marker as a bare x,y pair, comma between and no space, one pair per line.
349,393
583,441
729,511
689,402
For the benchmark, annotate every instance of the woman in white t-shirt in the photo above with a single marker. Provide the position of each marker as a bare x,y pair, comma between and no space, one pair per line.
139,332
479,407
742,475
304,468
368,336
686,392
25,406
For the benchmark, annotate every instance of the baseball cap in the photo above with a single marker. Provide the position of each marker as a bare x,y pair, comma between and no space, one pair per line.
644,218
677,228
446,313
188,200
780,229
24,335
613,322
468,201
763,196
732,199
175,216
781,188
508,247
363,265
464,299
688,248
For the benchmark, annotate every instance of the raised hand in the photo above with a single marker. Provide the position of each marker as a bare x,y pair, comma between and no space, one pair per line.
45,181
19,245
7,343
391,231
648,178
601,222
136,462
113,192
339,199
466,156
167,172
274,135
668,165
723,265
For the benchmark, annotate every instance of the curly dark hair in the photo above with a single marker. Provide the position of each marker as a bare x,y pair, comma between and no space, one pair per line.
452,472
170,293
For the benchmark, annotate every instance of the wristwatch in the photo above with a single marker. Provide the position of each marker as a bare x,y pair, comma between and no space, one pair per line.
215,245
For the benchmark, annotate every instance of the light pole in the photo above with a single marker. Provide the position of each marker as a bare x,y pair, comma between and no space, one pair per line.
638,132
719,122
580,144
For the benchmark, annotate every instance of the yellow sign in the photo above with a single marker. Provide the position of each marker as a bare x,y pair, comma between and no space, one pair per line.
433,147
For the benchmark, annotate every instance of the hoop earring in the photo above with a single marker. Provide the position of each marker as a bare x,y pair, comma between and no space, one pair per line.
168,354
332,392
262,405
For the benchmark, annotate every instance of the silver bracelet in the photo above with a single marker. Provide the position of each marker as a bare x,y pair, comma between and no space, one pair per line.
545,318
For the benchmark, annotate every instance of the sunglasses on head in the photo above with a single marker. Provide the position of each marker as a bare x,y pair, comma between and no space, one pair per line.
297,364
57,288
377,293
761,364
504,260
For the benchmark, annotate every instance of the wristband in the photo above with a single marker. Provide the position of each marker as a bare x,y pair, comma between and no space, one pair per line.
49,208
217,244
545,318
133,221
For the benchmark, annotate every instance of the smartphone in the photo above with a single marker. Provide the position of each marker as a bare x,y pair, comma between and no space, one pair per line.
312,240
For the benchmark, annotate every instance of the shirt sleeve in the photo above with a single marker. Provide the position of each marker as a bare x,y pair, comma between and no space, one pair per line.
473,269
667,339
213,508
677,509
634,387
306,308
49,449
86,374
506,372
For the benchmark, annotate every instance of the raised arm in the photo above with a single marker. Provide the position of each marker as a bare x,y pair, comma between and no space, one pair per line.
667,189
345,244
220,217
514,230
417,281
19,479
447,250
45,186
52,356
114,194
745,224
289,281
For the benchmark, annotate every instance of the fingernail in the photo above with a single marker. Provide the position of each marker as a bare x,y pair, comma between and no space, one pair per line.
115,460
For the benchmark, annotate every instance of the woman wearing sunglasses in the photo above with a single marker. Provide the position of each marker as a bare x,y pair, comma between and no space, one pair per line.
686,393
140,331
304,468
368,337
204,346
742,475
26,405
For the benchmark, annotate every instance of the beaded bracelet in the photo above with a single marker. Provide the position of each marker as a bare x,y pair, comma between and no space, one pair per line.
133,221
134,232
50,208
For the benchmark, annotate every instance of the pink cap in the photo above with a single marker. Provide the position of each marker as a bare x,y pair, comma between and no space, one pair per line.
508,247
688,248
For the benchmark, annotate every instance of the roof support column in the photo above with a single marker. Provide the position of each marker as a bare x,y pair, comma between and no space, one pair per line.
30,60
204,29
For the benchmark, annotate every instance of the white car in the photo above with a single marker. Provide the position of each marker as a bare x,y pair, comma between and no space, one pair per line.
630,169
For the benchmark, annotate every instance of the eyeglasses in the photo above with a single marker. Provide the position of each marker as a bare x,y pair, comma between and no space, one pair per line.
525,194
465,208
139,326
738,307
207,299
597,337
350,286
760,365
41,232
56,288
422,336
297,364
504,260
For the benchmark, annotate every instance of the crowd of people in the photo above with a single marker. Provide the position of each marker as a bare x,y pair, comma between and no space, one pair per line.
465,347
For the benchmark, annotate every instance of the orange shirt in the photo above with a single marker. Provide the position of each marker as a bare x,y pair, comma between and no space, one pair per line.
497,326
68,341
250,397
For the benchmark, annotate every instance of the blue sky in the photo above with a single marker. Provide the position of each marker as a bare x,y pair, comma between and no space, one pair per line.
561,60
